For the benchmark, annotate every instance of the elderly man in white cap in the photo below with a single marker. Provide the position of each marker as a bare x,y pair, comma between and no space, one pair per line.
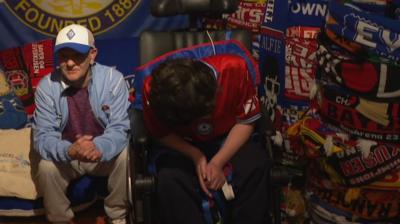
81,126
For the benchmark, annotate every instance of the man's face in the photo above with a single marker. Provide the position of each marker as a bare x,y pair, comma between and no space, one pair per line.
74,65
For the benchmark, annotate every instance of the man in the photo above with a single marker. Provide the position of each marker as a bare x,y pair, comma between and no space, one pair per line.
204,111
80,126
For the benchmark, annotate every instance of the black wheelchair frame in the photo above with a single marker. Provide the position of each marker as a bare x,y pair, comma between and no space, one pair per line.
156,43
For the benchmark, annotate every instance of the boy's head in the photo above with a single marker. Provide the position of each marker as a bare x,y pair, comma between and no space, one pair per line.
182,90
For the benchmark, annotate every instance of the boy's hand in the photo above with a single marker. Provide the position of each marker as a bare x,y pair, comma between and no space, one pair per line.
216,177
201,165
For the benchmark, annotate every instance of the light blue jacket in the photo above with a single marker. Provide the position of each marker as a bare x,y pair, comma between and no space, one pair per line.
108,96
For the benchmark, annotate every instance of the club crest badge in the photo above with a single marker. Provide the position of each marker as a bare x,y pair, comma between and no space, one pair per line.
48,16
204,128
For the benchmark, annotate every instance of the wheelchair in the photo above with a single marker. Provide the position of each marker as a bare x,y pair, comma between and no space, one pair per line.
155,43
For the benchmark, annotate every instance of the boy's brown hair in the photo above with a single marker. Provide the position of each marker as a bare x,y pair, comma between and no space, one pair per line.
182,90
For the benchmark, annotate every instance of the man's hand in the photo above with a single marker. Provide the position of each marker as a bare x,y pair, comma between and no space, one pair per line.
83,149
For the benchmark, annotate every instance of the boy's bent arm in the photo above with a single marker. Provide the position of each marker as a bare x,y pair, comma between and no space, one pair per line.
237,136
179,144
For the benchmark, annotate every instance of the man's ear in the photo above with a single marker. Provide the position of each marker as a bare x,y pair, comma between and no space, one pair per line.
92,55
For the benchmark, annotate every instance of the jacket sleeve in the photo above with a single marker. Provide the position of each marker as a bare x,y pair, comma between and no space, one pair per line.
115,136
46,125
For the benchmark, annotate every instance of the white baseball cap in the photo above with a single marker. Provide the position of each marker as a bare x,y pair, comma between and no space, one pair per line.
76,37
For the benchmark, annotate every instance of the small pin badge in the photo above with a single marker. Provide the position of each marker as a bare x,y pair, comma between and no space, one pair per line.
105,108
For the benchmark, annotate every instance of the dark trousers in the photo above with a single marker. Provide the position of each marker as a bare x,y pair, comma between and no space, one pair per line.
179,192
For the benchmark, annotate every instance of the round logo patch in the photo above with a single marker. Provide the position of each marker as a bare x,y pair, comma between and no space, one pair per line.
204,128
49,16
19,81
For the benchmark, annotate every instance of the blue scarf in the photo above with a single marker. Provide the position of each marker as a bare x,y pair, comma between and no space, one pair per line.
12,113
376,33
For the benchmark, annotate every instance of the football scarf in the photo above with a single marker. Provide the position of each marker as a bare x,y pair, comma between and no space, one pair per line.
301,64
317,177
249,16
391,181
4,86
350,46
287,117
396,10
306,13
322,212
357,49
16,75
300,52
25,66
356,161
375,81
373,6
358,116
39,60
338,40
369,206
12,113
376,33
306,32
298,82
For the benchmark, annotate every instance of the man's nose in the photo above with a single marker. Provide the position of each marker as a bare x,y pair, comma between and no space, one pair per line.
70,62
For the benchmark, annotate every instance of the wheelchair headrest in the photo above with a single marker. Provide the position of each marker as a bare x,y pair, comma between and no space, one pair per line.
162,8
156,43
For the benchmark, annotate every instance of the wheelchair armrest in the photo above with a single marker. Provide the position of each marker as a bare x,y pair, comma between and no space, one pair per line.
139,131
279,175
266,129
144,182
282,175
265,124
